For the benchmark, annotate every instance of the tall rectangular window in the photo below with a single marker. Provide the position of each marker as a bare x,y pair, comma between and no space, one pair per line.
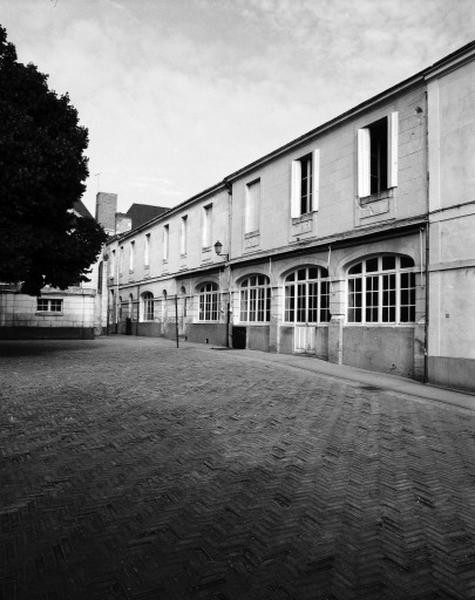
112,264
146,258
184,235
166,241
377,156
207,226
253,197
305,184
121,260
132,256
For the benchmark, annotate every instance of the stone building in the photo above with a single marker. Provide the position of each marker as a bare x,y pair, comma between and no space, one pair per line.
70,313
451,194
353,242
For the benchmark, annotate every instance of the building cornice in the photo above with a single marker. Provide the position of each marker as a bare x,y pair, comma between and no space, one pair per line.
342,240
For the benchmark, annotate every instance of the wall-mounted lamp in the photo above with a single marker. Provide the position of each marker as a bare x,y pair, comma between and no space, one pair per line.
218,247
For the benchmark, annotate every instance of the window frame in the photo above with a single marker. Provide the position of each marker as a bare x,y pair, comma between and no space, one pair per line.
49,303
305,184
252,206
148,307
131,256
184,235
366,160
208,307
207,226
146,251
166,242
315,300
384,287
255,299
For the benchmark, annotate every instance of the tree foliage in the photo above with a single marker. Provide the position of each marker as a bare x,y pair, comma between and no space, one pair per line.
42,174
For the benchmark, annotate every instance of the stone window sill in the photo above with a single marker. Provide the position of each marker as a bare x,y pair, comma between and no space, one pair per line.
378,196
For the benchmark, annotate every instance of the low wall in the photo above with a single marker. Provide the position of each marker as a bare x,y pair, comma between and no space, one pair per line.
321,342
148,329
384,349
258,337
286,340
207,333
47,333
457,373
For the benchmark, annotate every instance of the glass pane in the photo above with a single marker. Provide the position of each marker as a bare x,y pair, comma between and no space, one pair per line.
289,303
389,263
301,302
313,302
406,262
356,268
244,305
302,274
313,273
372,265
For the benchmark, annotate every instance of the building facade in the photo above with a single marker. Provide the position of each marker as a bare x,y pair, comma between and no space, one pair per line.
451,249
56,314
353,242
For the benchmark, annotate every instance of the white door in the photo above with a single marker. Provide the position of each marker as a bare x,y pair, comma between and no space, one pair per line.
304,338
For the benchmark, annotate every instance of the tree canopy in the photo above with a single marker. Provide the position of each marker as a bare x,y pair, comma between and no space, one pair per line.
42,174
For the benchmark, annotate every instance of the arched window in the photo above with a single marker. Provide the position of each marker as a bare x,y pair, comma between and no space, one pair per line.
255,299
120,308
307,292
164,304
382,289
208,302
147,306
100,272
131,306
183,294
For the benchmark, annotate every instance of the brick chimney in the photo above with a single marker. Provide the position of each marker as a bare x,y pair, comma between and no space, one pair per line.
106,208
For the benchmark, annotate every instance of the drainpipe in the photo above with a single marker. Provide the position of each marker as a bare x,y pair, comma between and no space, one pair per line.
426,320
427,242
229,188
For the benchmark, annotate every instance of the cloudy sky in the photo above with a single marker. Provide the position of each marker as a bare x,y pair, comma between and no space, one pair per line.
178,93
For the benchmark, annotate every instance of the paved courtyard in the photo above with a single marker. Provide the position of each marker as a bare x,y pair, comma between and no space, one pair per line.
133,470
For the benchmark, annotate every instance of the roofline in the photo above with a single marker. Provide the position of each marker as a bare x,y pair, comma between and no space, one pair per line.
170,212
459,56
453,60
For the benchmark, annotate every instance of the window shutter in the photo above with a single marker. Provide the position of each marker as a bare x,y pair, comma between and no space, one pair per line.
392,149
295,189
315,179
364,185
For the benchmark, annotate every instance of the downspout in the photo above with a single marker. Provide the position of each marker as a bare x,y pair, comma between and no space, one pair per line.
426,320
427,247
229,188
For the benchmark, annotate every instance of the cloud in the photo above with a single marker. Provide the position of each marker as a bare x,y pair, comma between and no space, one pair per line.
178,93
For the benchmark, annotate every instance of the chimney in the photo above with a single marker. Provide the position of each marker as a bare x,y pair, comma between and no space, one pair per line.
123,223
106,208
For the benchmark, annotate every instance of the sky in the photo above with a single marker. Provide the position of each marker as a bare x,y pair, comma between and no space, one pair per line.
176,94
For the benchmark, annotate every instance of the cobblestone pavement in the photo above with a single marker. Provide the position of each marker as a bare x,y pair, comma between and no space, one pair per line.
133,470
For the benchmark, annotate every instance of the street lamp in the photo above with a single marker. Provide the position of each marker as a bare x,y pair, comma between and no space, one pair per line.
218,247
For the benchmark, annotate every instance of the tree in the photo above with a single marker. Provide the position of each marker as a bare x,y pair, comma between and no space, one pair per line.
42,174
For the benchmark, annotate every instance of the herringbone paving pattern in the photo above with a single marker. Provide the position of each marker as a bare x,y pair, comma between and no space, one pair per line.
132,470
